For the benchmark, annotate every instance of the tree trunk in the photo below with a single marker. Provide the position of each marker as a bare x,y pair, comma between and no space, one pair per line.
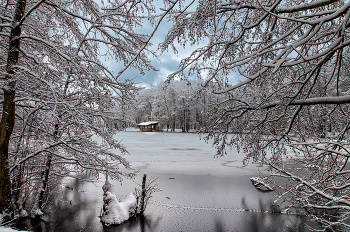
45,176
8,114
143,194
37,208
17,173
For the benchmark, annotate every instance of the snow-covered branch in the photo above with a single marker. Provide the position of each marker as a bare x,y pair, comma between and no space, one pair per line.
294,89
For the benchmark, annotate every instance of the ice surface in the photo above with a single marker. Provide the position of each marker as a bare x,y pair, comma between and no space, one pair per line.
180,153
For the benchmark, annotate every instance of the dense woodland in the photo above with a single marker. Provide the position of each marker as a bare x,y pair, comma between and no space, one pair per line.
178,104
290,113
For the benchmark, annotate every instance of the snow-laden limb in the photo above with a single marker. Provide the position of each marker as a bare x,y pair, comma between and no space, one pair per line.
292,60
301,7
315,190
305,6
57,70
260,184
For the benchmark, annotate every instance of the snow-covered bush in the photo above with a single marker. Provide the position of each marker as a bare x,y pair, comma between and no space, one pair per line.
115,212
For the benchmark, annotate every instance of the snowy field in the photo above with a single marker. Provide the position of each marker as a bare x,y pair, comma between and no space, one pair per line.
200,192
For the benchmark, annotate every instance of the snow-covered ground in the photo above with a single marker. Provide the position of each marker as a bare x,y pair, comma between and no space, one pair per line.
7,229
200,192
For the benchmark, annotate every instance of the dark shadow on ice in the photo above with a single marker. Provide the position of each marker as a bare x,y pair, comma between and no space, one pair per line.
272,222
219,226
138,223
244,204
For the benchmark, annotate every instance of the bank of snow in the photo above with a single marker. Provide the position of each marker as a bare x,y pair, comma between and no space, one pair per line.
115,212
8,229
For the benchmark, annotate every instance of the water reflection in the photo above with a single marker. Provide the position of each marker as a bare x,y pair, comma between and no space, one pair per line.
274,222
219,226
269,218
139,223
77,212
83,218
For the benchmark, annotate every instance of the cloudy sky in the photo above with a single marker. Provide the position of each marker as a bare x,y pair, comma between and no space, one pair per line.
167,63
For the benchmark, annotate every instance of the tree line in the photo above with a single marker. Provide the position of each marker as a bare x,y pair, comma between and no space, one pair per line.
177,104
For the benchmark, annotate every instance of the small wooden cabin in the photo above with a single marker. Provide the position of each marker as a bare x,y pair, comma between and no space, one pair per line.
149,126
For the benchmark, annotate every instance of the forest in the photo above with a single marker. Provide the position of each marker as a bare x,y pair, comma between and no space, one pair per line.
179,104
289,112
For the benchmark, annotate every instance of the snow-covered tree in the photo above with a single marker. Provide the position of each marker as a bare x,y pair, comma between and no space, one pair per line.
179,104
60,93
113,211
294,58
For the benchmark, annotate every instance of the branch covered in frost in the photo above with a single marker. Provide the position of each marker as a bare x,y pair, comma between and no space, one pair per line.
291,60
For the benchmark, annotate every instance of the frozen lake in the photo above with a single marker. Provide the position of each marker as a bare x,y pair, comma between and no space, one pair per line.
200,192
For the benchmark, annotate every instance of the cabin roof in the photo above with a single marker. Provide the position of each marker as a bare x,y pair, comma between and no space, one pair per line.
147,123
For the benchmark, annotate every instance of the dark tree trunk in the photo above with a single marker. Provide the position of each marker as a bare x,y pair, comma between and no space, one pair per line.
45,176
17,173
8,114
46,173
143,194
